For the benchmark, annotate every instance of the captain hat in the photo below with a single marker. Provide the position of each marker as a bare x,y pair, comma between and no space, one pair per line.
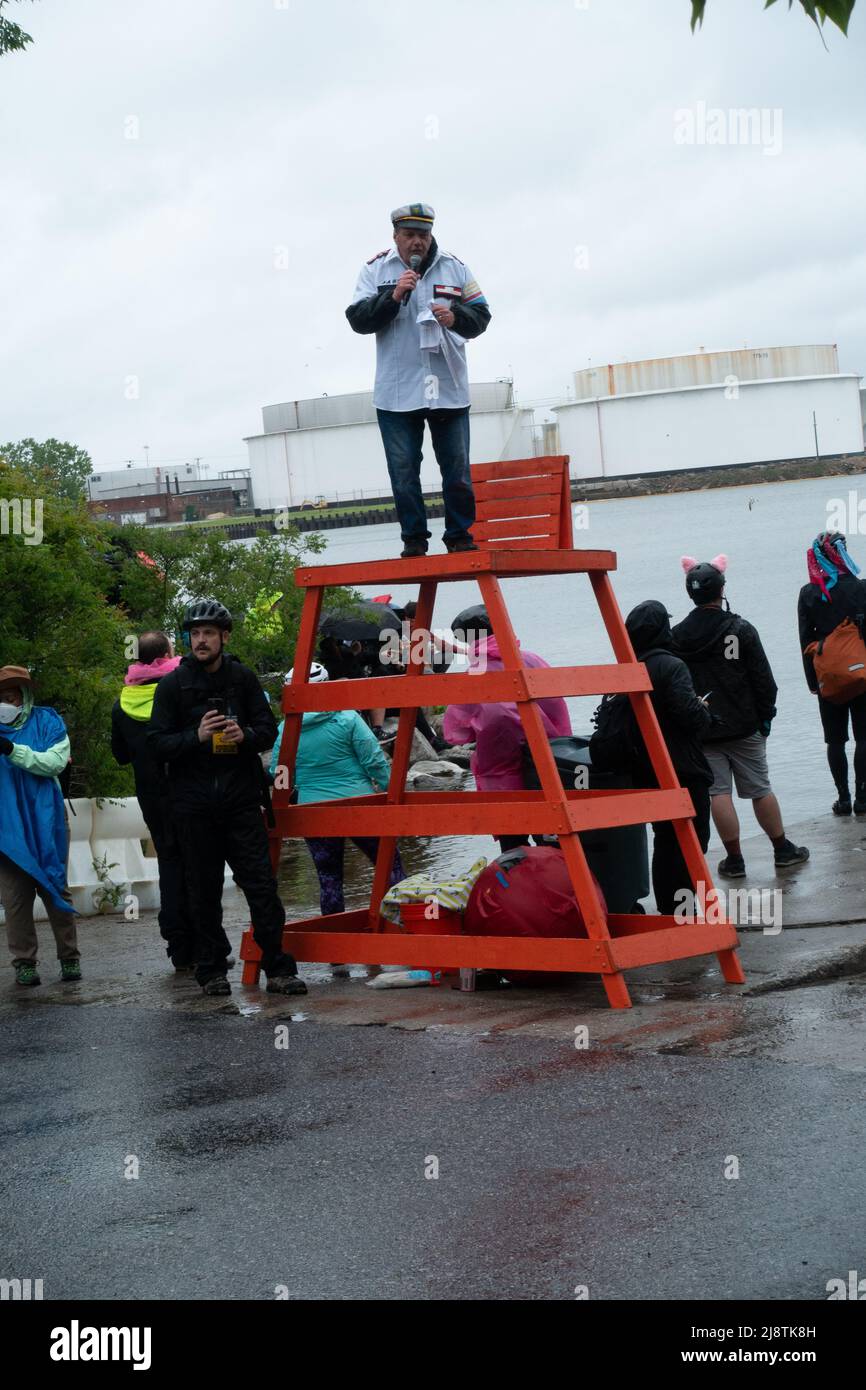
414,215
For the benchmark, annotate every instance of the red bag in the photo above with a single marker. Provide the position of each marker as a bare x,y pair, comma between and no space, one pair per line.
529,894
840,663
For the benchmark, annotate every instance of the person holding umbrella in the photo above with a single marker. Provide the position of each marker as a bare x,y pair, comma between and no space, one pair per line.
351,648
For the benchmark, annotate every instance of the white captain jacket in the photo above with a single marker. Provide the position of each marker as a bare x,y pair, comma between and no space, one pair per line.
419,365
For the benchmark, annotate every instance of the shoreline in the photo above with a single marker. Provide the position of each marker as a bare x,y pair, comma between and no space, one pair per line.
583,490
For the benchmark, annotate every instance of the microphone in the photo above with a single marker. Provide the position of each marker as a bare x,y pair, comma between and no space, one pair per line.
414,262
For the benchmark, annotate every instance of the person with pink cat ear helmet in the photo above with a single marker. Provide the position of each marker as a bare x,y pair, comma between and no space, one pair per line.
731,673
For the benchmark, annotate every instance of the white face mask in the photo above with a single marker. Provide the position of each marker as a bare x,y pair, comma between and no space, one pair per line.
9,713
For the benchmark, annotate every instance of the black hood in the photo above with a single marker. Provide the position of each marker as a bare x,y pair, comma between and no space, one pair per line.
428,260
701,630
649,625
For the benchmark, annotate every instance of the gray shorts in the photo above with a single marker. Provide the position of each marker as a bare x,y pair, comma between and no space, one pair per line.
740,760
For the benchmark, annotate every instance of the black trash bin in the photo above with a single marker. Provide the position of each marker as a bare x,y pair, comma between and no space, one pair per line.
618,857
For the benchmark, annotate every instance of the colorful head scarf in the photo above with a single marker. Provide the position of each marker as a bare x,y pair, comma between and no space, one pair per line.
826,559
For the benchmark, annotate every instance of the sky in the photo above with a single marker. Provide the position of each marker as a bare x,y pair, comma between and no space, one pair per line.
188,189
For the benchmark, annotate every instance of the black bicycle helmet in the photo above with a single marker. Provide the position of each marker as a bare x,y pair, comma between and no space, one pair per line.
206,610
704,583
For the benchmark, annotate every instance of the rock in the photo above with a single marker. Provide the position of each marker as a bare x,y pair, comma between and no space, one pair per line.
461,755
428,774
421,750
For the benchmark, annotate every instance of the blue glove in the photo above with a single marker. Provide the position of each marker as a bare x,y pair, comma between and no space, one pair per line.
766,725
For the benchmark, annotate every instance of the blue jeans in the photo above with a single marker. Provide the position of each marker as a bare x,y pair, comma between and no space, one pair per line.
402,435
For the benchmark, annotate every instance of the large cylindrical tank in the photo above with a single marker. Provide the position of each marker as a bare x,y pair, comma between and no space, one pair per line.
706,369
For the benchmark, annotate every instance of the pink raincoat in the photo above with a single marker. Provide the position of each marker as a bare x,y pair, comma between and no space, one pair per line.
496,730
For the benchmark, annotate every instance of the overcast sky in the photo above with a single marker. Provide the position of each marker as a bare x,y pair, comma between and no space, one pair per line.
160,290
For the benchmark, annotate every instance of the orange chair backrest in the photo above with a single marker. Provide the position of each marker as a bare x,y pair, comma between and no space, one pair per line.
523,504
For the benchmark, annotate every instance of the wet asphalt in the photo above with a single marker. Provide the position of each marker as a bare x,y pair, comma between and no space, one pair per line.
300,1170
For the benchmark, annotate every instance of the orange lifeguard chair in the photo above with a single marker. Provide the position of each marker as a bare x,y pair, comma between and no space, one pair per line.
523,529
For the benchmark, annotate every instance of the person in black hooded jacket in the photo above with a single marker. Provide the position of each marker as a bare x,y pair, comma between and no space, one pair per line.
684,719
730,669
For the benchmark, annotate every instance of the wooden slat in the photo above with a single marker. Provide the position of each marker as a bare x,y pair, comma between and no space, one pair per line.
341,938
516,506
549,465
674,943
436,952
519,543
623,924
413,692
615,679
538,487
409,818
447,813
515,527
355,921
592,811
464,565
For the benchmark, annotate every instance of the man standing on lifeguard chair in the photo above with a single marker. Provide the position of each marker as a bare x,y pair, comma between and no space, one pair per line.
422,304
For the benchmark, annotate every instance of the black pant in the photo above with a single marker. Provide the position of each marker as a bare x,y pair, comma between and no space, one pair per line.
209,841
834,719
507,842
669,867
175,922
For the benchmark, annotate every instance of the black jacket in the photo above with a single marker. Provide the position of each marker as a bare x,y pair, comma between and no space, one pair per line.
726,659
683,719
198,778
129,745
373,314
817,618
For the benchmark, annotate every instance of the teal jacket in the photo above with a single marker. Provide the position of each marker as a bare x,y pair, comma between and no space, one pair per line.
338,756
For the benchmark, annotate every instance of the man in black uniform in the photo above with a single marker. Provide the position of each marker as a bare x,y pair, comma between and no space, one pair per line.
209,724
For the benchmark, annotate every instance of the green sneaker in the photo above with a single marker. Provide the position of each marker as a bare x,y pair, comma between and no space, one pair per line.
26,975
70,970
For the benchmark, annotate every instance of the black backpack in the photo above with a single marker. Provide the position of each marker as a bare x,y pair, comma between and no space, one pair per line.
617,745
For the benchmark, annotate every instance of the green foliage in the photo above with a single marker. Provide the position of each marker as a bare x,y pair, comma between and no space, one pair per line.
55,620
109,895
74,601
201,563
59,468
12,36
837,11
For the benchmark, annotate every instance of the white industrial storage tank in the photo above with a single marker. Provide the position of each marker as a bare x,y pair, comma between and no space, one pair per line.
330,446
710,409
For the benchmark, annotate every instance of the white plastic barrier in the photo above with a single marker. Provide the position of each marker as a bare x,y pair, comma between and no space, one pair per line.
118,830
111,833
81,875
